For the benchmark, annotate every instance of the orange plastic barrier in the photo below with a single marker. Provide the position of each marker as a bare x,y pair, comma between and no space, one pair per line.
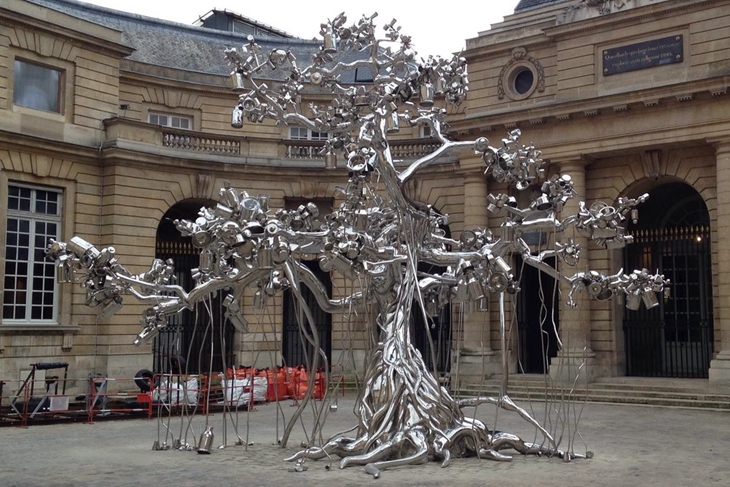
285,382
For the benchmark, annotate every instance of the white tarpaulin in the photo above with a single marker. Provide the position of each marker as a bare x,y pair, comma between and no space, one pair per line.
238,391
177,391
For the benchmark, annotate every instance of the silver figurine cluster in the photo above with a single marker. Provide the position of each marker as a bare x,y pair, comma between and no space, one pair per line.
376,238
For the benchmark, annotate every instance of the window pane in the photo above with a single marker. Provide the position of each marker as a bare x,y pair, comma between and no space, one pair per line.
11,253
167,120
29,280
36,86
8,310
19,198
297,133
46,202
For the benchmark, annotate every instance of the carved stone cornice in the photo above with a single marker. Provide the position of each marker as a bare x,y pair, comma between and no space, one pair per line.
721,144
87,35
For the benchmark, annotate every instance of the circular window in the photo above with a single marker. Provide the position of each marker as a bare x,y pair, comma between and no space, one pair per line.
521,81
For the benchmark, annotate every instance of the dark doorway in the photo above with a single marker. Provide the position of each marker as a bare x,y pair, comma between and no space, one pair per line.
537,319
194,340
296,349
432,334
673,339
434,330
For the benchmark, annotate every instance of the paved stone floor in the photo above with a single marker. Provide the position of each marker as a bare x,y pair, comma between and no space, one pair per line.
632,446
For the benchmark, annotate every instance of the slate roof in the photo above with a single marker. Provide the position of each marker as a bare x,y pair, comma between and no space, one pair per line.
531,4
187,47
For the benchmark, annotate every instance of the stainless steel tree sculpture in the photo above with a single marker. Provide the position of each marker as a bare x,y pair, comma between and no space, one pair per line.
377,240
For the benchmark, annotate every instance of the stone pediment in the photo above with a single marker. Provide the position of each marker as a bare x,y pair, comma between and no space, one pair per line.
587,9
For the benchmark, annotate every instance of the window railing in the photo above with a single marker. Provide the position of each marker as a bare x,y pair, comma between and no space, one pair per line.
229,145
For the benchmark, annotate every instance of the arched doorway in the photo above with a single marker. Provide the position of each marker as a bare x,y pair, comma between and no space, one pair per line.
203,338
432,334
296,349
672,236
537,318
434,330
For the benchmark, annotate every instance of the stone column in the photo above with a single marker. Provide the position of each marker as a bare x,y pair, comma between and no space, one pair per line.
575,322
720,366
476,359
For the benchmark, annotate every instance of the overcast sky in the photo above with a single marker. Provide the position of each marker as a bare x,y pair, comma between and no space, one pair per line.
439,28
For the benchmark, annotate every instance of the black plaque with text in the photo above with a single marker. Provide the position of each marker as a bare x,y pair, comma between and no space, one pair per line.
657,52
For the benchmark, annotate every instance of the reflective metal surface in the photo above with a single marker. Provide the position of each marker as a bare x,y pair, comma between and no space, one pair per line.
375,238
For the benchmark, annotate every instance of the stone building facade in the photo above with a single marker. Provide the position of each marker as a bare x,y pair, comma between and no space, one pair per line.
135,132
112,126
627,97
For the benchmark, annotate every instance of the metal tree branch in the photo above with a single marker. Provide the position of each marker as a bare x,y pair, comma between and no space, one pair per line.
375,240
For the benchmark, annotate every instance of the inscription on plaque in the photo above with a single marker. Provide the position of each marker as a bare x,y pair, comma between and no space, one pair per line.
642,55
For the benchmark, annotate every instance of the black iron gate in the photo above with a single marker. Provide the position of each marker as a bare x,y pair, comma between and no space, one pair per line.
675,338
296,349
194,340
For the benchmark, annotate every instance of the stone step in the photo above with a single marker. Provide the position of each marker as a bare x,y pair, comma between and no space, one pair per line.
594,391
669,398
616,387
682,393
624,384
640,401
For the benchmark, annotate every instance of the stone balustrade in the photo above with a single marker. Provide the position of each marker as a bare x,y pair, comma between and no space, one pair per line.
119,128
199,142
